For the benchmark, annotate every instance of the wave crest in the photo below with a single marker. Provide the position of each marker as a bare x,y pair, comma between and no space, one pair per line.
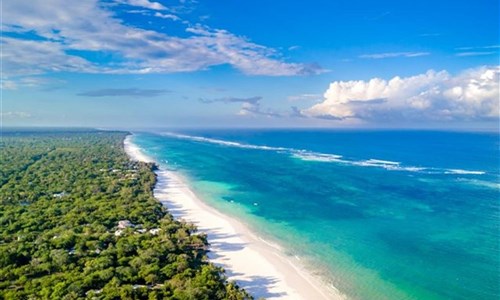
311,156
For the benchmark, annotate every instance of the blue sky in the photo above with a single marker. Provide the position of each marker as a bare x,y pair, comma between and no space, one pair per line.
145,63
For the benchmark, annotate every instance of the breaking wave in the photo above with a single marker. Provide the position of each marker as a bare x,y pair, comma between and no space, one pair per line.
312,156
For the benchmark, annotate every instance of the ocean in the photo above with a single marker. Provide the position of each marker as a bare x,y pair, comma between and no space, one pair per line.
377,214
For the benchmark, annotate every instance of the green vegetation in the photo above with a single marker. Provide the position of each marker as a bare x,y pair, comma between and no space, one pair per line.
62,197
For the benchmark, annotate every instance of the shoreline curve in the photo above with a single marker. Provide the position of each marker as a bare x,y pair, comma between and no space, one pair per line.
251,262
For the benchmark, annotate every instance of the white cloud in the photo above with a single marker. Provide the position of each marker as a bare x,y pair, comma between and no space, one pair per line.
438,96
478,50
394,54
255,109
250,106
476,53
478,47
304,97
30,82
15,115
21,57
6,84
167,16
143,3
248,57
67,30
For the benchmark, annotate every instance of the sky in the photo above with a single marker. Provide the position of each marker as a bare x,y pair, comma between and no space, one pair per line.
232,64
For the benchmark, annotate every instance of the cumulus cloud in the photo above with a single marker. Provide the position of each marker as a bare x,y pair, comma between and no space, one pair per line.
394,54
62,35
130,92
438,96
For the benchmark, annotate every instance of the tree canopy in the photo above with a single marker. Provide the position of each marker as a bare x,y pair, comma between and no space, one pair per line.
78,220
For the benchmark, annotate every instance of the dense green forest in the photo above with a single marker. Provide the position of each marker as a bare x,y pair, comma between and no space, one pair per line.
78,220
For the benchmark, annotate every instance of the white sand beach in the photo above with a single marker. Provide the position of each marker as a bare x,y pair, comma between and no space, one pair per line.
256,266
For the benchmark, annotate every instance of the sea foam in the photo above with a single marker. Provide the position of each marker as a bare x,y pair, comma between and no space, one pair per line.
463,172
225,143
312,156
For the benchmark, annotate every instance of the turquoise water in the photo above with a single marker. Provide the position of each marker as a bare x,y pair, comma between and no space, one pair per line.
378,214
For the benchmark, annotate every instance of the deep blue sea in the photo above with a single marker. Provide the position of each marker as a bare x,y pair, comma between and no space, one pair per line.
377,214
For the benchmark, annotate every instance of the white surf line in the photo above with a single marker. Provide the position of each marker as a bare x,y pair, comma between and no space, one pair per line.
259,268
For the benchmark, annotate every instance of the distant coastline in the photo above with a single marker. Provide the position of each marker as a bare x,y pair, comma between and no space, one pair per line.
254,265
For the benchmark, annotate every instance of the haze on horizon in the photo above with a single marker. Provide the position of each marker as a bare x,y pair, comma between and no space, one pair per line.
187,63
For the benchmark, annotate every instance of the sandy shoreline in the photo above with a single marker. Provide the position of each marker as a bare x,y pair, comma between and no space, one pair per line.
254,265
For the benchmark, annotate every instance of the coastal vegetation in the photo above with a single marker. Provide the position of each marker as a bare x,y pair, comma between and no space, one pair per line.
78,220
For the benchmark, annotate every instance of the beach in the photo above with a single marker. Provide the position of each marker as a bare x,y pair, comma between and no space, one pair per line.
255,265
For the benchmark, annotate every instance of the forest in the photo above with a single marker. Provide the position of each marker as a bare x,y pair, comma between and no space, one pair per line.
78,220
